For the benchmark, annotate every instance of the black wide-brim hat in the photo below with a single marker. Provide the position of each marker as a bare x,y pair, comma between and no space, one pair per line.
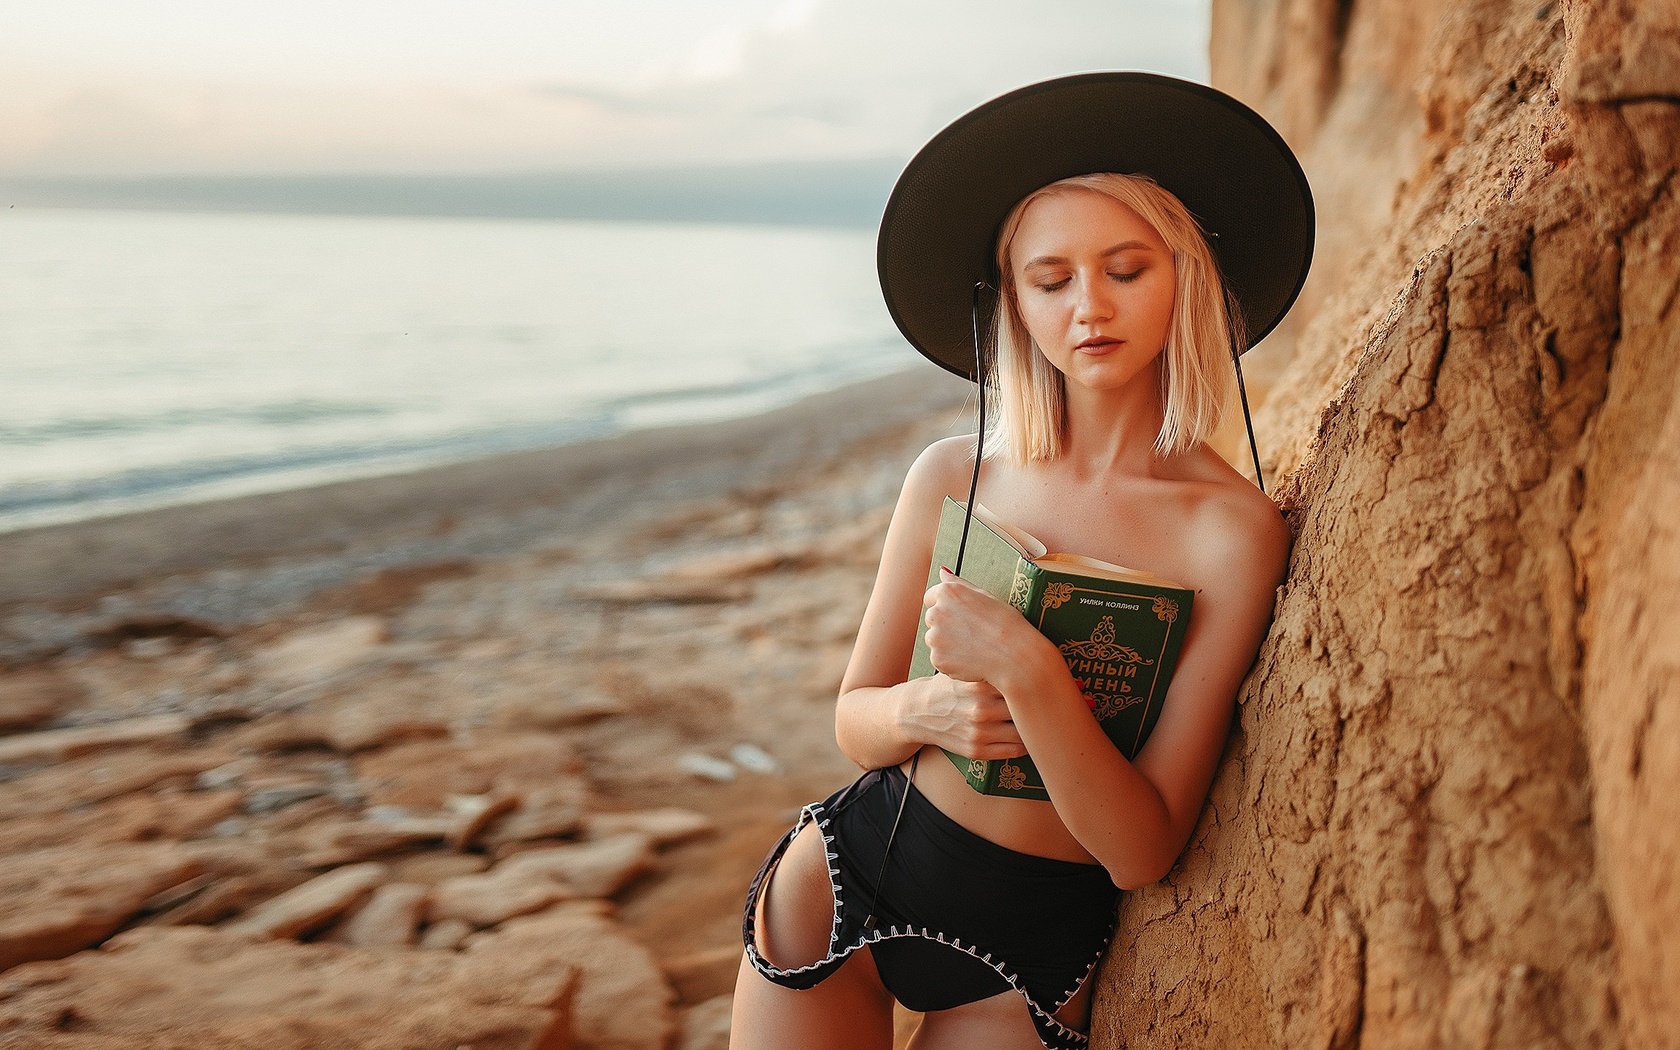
1230,168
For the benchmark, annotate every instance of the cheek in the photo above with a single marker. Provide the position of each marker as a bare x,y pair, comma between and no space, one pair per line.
1041,320
1156,305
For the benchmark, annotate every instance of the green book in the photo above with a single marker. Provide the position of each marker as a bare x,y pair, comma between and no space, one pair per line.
1119,630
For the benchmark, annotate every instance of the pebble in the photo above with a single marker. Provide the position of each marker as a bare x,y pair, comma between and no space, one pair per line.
707,767
754,759
226,775
270,799
543,815
56,745
312,905
474,813
446,936
597,868
494,897
664,826
323,650
389,919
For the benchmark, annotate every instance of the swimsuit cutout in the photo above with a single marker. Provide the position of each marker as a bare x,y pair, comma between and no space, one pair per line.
959,918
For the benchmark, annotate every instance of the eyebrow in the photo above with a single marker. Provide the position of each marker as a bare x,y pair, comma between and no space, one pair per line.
1053,260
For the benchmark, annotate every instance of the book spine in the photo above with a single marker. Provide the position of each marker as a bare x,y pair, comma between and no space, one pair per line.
1018,777
1026,588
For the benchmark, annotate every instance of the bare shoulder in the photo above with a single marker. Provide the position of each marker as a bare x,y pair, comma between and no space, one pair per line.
941,470
1237,533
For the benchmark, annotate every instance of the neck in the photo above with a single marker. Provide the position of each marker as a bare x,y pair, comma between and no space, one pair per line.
1114,430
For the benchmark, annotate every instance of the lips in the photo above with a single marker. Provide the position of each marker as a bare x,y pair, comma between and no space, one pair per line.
1098,343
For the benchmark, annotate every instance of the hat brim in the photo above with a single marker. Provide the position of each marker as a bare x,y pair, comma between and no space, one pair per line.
1229,167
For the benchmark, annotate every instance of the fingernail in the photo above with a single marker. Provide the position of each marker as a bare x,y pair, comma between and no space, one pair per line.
946,571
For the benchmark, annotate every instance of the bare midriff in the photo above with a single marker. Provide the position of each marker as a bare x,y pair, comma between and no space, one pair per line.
1022,824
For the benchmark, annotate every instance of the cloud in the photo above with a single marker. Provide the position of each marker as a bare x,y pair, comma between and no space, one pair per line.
739,82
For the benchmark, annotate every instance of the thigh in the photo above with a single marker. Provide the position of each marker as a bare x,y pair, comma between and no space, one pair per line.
998,1023
795,917
795,920
847,1011
1001,1022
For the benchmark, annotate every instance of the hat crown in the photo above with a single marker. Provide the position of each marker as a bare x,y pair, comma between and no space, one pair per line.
1229,167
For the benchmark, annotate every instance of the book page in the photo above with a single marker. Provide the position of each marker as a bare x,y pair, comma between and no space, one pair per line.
1104,570
1026,544
1034,551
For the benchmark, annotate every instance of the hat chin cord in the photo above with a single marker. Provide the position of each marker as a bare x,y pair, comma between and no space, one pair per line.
1248,419
980,435
962,546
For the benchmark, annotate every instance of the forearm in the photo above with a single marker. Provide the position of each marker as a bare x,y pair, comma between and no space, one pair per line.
869,725
1117,814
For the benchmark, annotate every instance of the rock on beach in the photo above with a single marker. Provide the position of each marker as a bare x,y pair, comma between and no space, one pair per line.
192,986
58,900
454,815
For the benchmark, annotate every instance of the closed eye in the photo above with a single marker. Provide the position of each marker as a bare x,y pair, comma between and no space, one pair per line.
1124,277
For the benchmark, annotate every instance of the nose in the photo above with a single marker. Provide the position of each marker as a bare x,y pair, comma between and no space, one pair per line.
1095,303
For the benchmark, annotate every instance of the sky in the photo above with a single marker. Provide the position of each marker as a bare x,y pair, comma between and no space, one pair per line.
115,88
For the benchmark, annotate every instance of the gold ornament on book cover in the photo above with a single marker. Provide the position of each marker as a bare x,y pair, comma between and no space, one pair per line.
1020,591
1104,669
1057,595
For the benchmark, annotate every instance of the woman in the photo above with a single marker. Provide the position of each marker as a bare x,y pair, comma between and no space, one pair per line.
1114,334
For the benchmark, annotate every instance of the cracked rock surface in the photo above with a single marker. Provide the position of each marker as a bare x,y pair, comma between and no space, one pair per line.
1445,818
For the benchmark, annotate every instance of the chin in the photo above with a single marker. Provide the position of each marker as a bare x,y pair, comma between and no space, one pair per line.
1104,379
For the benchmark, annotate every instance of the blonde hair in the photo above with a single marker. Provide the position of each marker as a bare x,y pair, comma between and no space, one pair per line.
1197,377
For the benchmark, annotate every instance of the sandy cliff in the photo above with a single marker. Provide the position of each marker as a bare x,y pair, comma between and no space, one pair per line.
1447,816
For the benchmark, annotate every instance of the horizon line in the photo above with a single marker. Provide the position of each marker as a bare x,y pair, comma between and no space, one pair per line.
851,192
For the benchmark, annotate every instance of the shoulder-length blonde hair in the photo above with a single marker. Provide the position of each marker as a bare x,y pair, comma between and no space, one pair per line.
1197,380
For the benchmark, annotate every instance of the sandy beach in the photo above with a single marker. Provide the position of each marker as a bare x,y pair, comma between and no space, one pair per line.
327,725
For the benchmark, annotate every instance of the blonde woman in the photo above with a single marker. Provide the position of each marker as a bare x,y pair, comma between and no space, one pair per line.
1117,236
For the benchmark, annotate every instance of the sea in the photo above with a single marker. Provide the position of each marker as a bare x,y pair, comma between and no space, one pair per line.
152,358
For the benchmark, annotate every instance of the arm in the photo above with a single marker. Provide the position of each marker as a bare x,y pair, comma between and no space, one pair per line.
1134,817
881,719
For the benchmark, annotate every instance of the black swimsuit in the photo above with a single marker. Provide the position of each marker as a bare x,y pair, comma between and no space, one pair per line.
959,919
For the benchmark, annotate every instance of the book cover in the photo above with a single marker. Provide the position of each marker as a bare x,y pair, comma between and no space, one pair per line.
1119,630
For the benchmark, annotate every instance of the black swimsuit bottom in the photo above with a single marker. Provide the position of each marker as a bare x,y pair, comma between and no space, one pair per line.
960,918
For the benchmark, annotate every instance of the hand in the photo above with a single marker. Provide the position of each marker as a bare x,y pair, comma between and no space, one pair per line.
973,636
965,718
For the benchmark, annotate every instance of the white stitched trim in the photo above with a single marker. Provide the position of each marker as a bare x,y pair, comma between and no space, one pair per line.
815,813
1095,959
873,936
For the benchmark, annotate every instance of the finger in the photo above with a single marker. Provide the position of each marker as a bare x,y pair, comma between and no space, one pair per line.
999,749
946,576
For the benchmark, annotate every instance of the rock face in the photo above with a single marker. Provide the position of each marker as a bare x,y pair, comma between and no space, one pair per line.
1445,818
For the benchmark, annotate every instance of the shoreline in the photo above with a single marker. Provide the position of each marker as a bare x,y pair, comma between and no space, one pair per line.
571,487
544,710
